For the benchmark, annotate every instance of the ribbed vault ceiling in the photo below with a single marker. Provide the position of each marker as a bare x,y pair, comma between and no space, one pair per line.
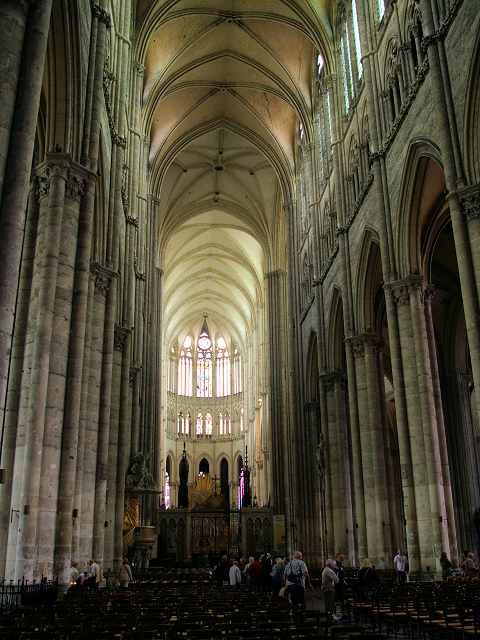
225,85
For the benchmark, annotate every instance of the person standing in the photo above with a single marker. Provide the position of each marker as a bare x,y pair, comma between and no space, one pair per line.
368,581
340,587
255,571
277,577
471,568
295,576
400,564
329,580
74,572
446,566
124,574
235,575
94,575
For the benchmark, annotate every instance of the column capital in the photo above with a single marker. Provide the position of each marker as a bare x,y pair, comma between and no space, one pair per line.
138,67
134,371
103,277
120,337
331,378
357,345
470,201
401,290
289,206
275,274
101,14
55,165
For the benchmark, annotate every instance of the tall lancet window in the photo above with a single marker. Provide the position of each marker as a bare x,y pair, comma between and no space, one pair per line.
223,369
204,366
185,368
167,490
199,426
237,371
208,424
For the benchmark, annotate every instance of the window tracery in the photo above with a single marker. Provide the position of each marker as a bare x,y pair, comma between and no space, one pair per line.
185,368
204,366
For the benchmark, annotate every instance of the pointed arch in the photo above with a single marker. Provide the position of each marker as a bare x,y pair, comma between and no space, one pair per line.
336,333
369,282
423,186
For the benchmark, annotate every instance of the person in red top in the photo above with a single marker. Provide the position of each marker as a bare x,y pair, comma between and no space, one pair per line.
255,571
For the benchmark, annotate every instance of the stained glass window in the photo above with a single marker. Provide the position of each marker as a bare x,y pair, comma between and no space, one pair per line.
181,423
167,490
208,424
237,371
358,44
227,424
223,369
204,367
344,73
220,424
349,60
381,9
187,424
185,369
199,427
241,488
241,419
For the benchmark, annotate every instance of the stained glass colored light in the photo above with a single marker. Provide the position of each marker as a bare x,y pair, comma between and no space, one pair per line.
199,426
204,367
208,424
241,488
167,490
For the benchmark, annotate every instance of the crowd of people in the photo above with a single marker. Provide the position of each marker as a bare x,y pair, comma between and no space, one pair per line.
287,577
92,577
282,576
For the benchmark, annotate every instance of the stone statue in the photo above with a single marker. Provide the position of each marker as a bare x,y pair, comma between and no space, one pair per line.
138,475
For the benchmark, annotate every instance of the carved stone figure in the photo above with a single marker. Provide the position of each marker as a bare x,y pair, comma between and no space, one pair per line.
138,475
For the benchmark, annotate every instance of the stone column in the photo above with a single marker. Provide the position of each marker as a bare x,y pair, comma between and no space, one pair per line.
55,175
122,343
22,52
328,427
58,435
92,468
19,362
470,200
422,418
279,446
82,456
73,437
406,464
13,24
104,421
